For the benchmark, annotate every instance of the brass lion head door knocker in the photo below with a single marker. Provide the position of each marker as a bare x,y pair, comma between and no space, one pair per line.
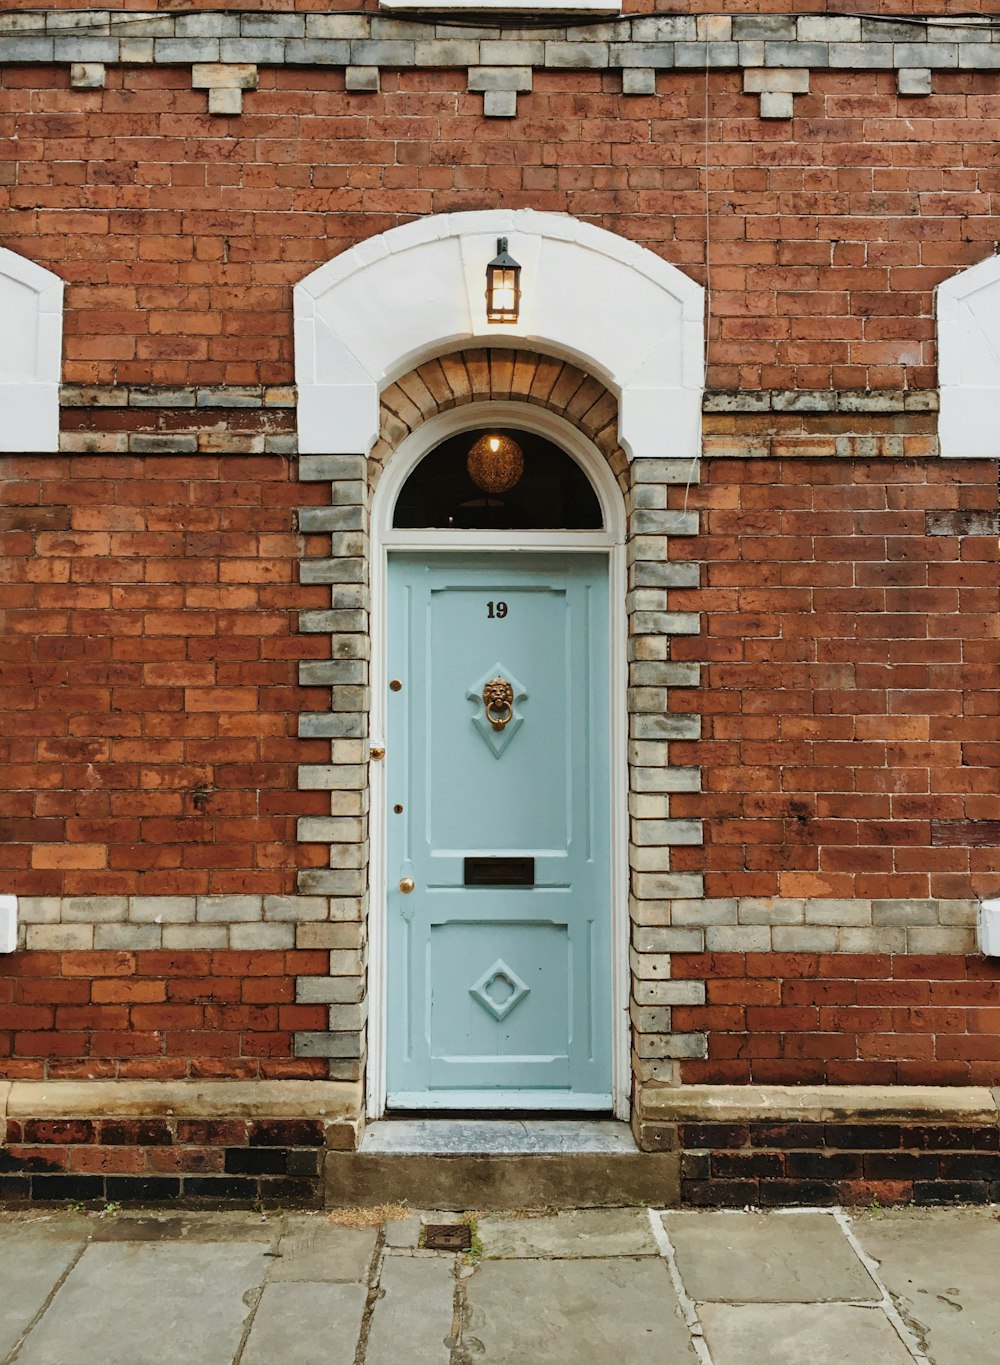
497,699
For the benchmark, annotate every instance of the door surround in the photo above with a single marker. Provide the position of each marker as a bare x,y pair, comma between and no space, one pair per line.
611,540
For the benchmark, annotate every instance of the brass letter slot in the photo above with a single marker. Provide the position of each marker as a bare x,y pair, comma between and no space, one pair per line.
499,872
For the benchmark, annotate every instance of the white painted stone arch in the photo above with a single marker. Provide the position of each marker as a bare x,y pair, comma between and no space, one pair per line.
31,304
382,308
968,324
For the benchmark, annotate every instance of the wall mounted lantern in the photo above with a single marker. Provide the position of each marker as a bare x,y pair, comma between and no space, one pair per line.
503,286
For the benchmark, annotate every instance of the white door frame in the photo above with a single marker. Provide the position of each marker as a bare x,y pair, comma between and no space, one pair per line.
384,538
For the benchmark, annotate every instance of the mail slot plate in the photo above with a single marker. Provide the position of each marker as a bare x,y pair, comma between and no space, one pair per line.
480,871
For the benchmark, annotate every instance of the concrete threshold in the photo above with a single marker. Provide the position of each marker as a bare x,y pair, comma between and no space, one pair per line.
500,1164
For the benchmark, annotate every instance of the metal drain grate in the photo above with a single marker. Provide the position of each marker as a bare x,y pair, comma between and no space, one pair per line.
448,1237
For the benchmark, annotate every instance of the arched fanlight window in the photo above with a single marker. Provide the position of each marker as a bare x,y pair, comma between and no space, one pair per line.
498,479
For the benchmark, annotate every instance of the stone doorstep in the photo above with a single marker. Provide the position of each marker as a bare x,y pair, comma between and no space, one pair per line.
828,1104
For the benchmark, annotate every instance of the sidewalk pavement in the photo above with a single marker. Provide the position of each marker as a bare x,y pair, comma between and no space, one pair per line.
584,1287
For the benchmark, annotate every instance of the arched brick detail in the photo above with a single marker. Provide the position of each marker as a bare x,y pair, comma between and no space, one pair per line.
498,374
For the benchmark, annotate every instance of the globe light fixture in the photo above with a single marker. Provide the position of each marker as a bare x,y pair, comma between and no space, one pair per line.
495,463
503,286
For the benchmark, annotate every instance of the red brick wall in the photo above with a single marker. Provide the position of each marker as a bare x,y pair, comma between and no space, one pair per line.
850,733
843,1019
180,235
155,1015
149,699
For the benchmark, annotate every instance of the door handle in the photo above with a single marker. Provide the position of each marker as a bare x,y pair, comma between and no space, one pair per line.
406,885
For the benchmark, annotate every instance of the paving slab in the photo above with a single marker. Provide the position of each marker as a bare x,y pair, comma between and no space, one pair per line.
413,1317
313,1249
122,1303
166,1226
767,1258
575,1313
306,1324
32,1258
941,1268
793,1333
573,1235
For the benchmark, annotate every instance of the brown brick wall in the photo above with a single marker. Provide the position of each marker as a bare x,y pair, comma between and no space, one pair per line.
843,1019
180,235
849,707
155,1015
149,694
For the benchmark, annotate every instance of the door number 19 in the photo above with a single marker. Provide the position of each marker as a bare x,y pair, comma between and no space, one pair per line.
496,610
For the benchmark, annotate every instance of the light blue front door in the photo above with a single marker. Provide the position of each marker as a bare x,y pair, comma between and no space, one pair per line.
499,978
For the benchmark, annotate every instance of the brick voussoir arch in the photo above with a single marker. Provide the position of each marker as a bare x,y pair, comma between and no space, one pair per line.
497,374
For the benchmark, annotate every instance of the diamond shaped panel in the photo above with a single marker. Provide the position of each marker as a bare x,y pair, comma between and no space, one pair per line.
499,989
496,739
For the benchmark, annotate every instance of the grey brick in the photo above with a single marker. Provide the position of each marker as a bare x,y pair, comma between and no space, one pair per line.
319,52
770,26
705,912
183,51
843,913
318,519
333,571
741,938
195,936
667,939
337,25
447,52
295,909
491,78
773,910
39,909
58,938
665,779
889,31
668,885
34,49
937,55
671,1045
777,104
210,25
261,937
372,52
328,882
85,50
804,938
327,1045
328,990
656,56
862,56
941,939
127,937
639,80
228,909
664,28
94,909
979,56
503,52
324,672
869,940
272,25
665,727
361,79
650,1018
797,54
666,832
589,56
904,912
828,29
500,104
270,50
669,992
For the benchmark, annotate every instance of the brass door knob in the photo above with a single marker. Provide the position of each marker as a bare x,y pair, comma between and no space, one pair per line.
406,885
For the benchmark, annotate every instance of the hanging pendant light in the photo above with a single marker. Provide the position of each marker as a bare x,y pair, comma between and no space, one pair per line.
495,463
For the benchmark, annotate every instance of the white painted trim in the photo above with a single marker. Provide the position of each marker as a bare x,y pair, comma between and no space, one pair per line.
418,291
383,538
31,306
968,322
